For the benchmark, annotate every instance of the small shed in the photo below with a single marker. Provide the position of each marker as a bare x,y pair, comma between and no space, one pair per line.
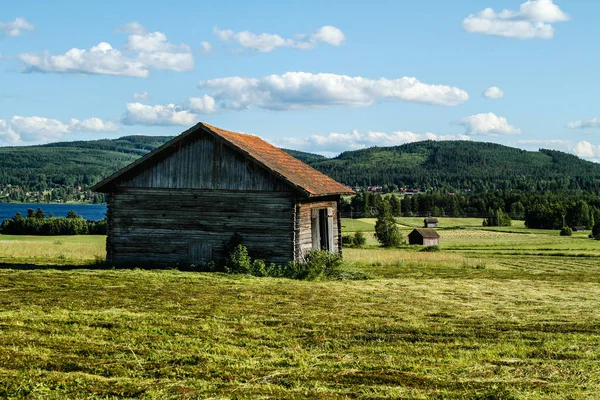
183,202
424,237
578,229
430,223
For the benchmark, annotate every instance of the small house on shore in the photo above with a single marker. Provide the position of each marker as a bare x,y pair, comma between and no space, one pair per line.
183,202
424,237
430,223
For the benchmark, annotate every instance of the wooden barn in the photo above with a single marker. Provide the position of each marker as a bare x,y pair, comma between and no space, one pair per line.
424,237
183,202
430,223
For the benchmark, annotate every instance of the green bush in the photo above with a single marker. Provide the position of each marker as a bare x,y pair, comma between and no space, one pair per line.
596,231
431,248
259,268
566,231
239,262
387,231
348,240
317,264
359,238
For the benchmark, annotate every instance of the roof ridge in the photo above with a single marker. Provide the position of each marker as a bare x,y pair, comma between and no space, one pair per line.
298,174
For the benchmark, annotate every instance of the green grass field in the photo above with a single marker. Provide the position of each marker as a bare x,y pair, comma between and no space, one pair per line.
496,314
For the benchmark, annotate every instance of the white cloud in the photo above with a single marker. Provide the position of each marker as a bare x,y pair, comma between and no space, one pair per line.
533,20
163,115
141,96
302,90
15,28
587,150
206,47
493,93
7,134
202,105
590,123
101,59
92,125
20,130
335,143
488,124
266,42
150,50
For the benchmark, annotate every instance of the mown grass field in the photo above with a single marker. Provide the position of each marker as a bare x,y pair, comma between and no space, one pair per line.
493,315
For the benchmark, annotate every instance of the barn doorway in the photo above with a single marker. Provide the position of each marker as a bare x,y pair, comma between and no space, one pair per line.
322,229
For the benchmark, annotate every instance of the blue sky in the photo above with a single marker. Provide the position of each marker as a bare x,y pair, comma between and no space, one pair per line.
317,77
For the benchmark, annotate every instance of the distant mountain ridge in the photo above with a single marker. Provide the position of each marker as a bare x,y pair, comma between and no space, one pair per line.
452,165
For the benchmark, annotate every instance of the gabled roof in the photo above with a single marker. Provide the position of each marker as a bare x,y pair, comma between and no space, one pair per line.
296,173
431,220
426,233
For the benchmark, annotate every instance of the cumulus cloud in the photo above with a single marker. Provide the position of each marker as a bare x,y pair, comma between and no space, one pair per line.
92,125
488,124
266,42
587,149
18,130
206,47
101,59
141,96
493,93
162,115
335,143
144,51
584,124
303,90
533,20
202,105
15,28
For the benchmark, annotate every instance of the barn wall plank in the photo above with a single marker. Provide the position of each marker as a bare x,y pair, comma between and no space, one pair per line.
154,225
205,162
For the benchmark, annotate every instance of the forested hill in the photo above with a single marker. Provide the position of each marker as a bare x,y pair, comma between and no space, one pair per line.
54,172
457,165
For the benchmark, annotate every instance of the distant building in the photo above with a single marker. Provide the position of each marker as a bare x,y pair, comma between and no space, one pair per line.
424,237
430,223
184,202
578,229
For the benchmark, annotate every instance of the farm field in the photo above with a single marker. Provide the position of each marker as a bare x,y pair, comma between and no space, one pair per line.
498,313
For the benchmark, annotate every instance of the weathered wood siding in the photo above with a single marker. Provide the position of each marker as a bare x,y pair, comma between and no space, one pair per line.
304,236
205,162
431,242
170,226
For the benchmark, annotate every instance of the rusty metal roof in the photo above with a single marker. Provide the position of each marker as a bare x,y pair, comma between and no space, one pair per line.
427,233
286,167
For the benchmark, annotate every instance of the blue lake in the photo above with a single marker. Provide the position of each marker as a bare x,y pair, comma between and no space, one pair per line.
92,212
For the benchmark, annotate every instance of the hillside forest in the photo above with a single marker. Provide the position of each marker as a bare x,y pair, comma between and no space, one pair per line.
547,188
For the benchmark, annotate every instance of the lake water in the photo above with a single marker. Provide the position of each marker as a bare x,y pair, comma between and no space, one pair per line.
92,212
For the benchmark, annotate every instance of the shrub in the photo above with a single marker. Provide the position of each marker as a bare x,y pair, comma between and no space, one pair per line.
386,228
566,231
316,264
348,240
359,238
239,261
596,231
259,268
431,248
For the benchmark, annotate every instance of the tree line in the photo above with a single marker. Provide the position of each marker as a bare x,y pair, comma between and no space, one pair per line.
539,210
37,223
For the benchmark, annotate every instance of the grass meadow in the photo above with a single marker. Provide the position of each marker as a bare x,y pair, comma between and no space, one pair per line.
506,313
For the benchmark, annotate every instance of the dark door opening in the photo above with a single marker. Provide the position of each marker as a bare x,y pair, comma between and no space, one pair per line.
322,229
